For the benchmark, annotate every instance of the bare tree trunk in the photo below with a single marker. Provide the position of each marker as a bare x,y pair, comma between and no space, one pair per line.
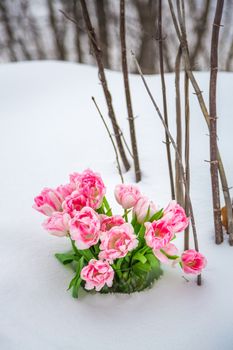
58,36
101,7
147,15
102,77
77,17
229,58
8,30
179,182
213,123
167,56
127,92
160,39
198,92
41,52
200,29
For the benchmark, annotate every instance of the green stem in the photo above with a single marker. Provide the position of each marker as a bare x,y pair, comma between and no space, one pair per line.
118,271
125,216
107,206
87,254
75,249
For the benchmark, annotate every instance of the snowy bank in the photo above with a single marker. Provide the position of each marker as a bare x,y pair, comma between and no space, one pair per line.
49,127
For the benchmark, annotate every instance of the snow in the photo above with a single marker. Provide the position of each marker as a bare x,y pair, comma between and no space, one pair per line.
49,128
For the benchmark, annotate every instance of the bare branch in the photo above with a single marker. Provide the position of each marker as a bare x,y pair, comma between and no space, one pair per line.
112,141
179,184
213,123
127,92
198,92
160,36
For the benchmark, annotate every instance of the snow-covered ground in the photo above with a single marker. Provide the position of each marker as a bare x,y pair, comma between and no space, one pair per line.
49,128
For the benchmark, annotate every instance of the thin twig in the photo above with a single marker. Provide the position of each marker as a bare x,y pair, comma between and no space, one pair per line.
178,157
179,184
160,36
187,125
111,138
187,147
127,92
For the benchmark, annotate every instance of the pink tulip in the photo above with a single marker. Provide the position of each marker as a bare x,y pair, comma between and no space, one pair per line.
74,203
193,262
175,216
117,242
64,190
96,274
85,228
141,209
91,186
48,202
170,249
107,222
57,224
158,234
127,195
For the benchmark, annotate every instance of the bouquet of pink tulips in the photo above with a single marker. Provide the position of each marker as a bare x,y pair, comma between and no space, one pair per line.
114,253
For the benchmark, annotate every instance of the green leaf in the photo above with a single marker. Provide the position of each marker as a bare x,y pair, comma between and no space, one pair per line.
156,270
66,258
87,254
76,287
157,215
107,206
137,227
140,268
118,263
141,233
100,210
152,260
140,257
134,220
109,212
76,281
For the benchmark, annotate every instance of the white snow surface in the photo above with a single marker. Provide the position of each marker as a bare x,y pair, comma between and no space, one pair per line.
49,128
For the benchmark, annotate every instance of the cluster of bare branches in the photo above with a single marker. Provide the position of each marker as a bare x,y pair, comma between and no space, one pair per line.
32,30
216,164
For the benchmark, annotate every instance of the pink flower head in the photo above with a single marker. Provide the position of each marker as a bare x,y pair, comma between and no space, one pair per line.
158,234
141,209
91,186
107,222
64,190
96,274
117,242
74,203
48,202
85,228
170,249
57,224
193,262
127,195
175,216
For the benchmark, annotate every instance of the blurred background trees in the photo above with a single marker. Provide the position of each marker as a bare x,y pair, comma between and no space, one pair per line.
37,30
